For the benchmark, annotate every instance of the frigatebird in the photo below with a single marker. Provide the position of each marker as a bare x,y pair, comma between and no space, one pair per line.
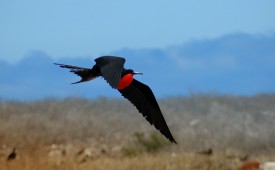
111,68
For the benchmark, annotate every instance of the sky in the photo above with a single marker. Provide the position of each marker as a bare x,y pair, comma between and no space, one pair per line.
75,28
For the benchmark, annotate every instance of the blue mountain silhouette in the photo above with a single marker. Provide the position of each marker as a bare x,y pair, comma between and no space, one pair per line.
240,64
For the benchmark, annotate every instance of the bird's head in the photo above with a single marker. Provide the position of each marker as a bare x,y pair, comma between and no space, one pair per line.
130,71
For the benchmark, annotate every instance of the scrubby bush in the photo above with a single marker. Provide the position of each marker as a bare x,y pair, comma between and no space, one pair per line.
142,143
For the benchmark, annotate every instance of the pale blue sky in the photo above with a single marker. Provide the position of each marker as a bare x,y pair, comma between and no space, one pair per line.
93,27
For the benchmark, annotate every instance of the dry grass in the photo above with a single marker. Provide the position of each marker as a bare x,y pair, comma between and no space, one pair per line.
93,134
183,161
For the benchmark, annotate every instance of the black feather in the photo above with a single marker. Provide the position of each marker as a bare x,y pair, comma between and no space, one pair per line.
143,98
111,68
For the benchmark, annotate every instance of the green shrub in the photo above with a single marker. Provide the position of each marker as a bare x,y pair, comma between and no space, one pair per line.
152,143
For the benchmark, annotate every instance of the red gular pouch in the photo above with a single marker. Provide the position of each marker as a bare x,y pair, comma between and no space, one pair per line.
125,81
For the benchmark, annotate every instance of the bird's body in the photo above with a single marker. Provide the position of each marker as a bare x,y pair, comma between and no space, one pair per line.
112,69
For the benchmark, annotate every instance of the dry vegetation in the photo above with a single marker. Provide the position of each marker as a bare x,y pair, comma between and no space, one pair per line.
76,133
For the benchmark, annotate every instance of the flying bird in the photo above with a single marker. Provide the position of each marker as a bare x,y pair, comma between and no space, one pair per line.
111,68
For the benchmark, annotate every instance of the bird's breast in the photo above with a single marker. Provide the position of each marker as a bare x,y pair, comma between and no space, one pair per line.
125,81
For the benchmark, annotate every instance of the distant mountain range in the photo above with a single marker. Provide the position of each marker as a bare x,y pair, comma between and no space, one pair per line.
239,64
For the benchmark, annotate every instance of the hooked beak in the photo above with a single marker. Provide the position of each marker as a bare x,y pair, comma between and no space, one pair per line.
138,73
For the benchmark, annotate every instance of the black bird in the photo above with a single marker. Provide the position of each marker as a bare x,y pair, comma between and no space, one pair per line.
112,69
12,155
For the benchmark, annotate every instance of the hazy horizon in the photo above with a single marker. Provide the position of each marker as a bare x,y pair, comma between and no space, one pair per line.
92,28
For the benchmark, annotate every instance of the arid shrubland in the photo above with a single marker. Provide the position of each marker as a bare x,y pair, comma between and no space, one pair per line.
197,121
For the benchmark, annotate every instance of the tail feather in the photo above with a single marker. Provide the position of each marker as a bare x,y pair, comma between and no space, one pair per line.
86,74
81,81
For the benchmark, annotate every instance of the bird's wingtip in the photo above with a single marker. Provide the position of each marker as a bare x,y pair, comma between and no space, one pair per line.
171,139
174,141
58,64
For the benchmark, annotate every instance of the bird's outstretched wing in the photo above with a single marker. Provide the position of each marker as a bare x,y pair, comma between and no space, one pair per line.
143,98
86,74
111,68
